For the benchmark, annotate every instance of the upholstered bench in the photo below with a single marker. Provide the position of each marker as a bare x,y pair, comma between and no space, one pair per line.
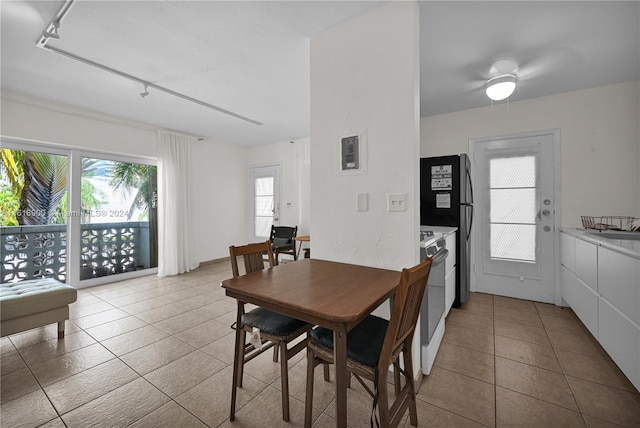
34,303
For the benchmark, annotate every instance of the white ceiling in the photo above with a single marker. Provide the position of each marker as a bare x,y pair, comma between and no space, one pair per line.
252,57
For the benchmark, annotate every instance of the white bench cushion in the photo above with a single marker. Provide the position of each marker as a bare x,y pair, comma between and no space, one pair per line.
24,298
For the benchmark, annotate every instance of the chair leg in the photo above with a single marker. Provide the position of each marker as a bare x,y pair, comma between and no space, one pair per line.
325,368
243,338
238,362
408,366
284,378
383,401
396,378
308,402
275,353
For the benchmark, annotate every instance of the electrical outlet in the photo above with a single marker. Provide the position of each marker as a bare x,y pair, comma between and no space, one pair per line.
396,202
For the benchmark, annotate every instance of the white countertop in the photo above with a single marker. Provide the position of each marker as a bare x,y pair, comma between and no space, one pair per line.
623,246
445,230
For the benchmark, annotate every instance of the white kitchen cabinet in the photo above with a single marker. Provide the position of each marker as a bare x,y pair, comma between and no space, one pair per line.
603,290
620,337
582,299
587,263
619,281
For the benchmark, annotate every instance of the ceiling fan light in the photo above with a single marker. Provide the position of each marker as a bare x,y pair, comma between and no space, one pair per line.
501,87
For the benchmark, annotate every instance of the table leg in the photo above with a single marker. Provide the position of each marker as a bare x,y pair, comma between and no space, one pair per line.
340,359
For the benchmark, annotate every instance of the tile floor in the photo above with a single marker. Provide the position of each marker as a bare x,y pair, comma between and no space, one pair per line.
154,352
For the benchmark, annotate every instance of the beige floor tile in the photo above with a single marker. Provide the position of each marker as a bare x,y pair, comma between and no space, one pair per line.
162,313
85,386
90,309
533,381
151,303
199,301
204,334
323,392
210,400
462,395
474,339
11,362
576,343
470,320
517,304
169,415
432,416
129,299
516,330
66,365
527,352
115,328
217,308
518,410
517,315
324,421
266,370
100,318
16,384
266,410
41,334
222,349
56,423
184,373
30,410
478,308
562,323
486,299
85,298
359,404
558,311
594,369
228,318
44,351
115,409
598,423
6,345
115,293
466,361
156,355
181,322
133,340
606,403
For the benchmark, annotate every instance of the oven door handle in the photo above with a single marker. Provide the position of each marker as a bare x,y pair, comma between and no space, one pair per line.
439,258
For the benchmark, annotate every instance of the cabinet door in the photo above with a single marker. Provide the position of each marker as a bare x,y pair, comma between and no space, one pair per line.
582,299
619,282
568,251
587,263
621,339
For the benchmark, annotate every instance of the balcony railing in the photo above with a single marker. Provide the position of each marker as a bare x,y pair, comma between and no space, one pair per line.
30,252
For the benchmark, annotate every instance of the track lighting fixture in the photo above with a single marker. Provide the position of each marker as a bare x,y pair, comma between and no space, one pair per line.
145,93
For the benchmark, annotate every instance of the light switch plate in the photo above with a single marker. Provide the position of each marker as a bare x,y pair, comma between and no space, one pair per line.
362,202
396,202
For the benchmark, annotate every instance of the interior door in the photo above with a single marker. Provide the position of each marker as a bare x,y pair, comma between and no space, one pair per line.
264,191
515,245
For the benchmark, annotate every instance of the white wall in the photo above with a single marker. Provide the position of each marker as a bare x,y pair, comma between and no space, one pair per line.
293,158
220,207
365,77
600,141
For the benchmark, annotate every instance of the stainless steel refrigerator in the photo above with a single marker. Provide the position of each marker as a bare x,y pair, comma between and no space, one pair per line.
446,199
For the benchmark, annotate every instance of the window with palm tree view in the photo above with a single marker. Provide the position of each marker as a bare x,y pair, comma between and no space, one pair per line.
117,213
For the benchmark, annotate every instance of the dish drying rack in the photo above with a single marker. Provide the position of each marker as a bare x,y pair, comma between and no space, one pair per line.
610,222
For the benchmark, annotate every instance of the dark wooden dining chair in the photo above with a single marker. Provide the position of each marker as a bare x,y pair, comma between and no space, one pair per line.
276,330
373,346
283,241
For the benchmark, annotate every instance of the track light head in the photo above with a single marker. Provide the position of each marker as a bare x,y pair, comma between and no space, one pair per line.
145,93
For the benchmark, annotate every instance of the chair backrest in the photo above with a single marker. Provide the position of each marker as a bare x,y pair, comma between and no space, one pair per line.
281,235
406,308
253,255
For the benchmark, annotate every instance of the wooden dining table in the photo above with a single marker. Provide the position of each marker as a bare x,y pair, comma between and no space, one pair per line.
337,296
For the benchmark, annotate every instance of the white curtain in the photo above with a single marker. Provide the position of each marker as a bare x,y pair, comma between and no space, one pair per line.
176,200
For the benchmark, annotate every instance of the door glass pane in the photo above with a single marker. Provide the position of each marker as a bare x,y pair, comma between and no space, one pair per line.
513,208
33,211
118,216
263,205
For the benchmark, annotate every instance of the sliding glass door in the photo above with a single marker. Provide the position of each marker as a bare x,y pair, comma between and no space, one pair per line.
81,218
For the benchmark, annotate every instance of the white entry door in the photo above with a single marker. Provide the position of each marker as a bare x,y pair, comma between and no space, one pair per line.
264,191
515,206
